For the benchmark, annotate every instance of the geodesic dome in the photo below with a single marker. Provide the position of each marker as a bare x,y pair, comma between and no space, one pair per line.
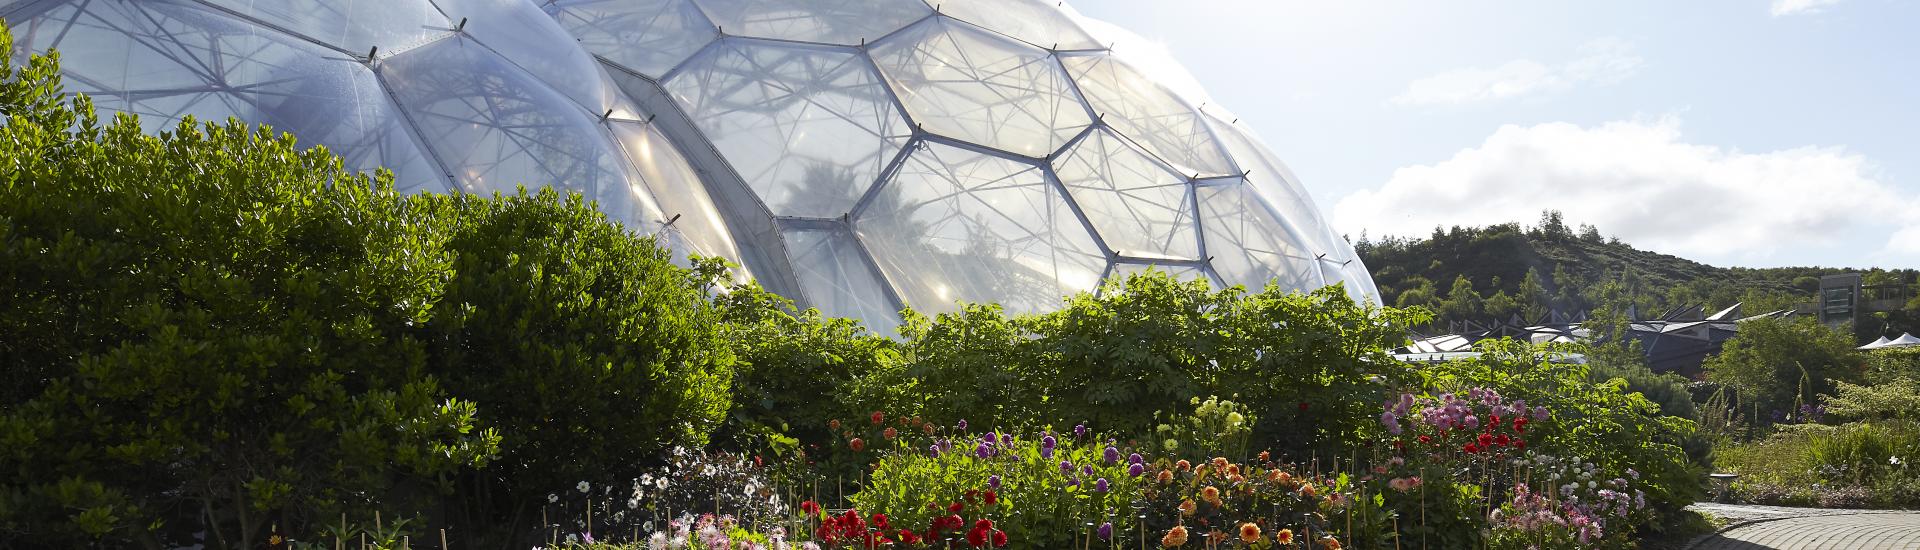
855,155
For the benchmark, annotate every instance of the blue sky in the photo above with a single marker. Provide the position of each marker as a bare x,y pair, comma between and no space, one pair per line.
1754,132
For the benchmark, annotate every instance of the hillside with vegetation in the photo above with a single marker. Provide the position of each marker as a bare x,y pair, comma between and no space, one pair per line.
1502,270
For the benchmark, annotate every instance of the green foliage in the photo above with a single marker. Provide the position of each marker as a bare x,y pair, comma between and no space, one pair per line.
1854,465
799,369
1152,343
1893,399
214,329
1884,365
1780,364
211,325
1407,270
586,346
1599,420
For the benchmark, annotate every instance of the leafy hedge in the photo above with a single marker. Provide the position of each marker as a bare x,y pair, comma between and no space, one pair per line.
215,327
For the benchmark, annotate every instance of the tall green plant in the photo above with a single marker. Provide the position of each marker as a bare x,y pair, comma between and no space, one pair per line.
206,331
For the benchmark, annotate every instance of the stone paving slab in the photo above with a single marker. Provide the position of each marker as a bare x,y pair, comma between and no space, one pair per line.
1819,530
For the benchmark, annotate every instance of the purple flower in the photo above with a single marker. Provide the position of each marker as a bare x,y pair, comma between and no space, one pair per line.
983,451
1100,485
1087,470
1046,452
1539,413
1472,422
1106,531
1112,455
1006,439
1048,442
934,450
993,481
1136,469
1066,467
1079,430
962,425
1135,458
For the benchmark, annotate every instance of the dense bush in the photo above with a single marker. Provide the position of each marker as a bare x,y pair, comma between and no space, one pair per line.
215,329
1153,343
1778,365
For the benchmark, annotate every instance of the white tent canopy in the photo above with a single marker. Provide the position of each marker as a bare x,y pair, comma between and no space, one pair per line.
1904,340
1876,343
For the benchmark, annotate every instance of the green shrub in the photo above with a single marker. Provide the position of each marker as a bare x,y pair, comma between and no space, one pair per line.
214,329
1312,363
1216,427
1898,398
584,345
1780,364
209,329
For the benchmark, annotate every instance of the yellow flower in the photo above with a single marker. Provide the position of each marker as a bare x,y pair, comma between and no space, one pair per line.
1175,537
1211,495
1186,507
1249,533
1283,536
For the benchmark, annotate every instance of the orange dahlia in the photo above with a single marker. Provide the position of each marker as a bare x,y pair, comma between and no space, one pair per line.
1175,537
1249,533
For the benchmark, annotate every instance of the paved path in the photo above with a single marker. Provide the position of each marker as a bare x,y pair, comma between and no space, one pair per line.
1772,527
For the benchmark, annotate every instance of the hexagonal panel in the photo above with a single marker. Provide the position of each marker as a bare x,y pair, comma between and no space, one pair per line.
836,278
697,225
645,36
845,22
527,37
166,60
1147,113
351,25
497,128
962,82
808,127
1139,207
958,225
1249,245
1039,23
1276,184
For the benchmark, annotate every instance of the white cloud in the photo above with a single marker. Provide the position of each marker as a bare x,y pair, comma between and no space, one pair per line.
1791,7
1640,181
1604,61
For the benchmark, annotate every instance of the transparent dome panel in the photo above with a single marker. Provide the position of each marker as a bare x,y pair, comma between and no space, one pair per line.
957,225
648,37
690,212
808,127
527,37
845,22
1147,113
167,60
837,279
1249,245
497,128
969,84
1036,22
1138,206
355,26
1277,185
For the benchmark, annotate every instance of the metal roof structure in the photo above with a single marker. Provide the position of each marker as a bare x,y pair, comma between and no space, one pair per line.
855,155
1677,341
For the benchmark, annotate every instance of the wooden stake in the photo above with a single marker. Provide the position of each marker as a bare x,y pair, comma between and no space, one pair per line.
443,539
